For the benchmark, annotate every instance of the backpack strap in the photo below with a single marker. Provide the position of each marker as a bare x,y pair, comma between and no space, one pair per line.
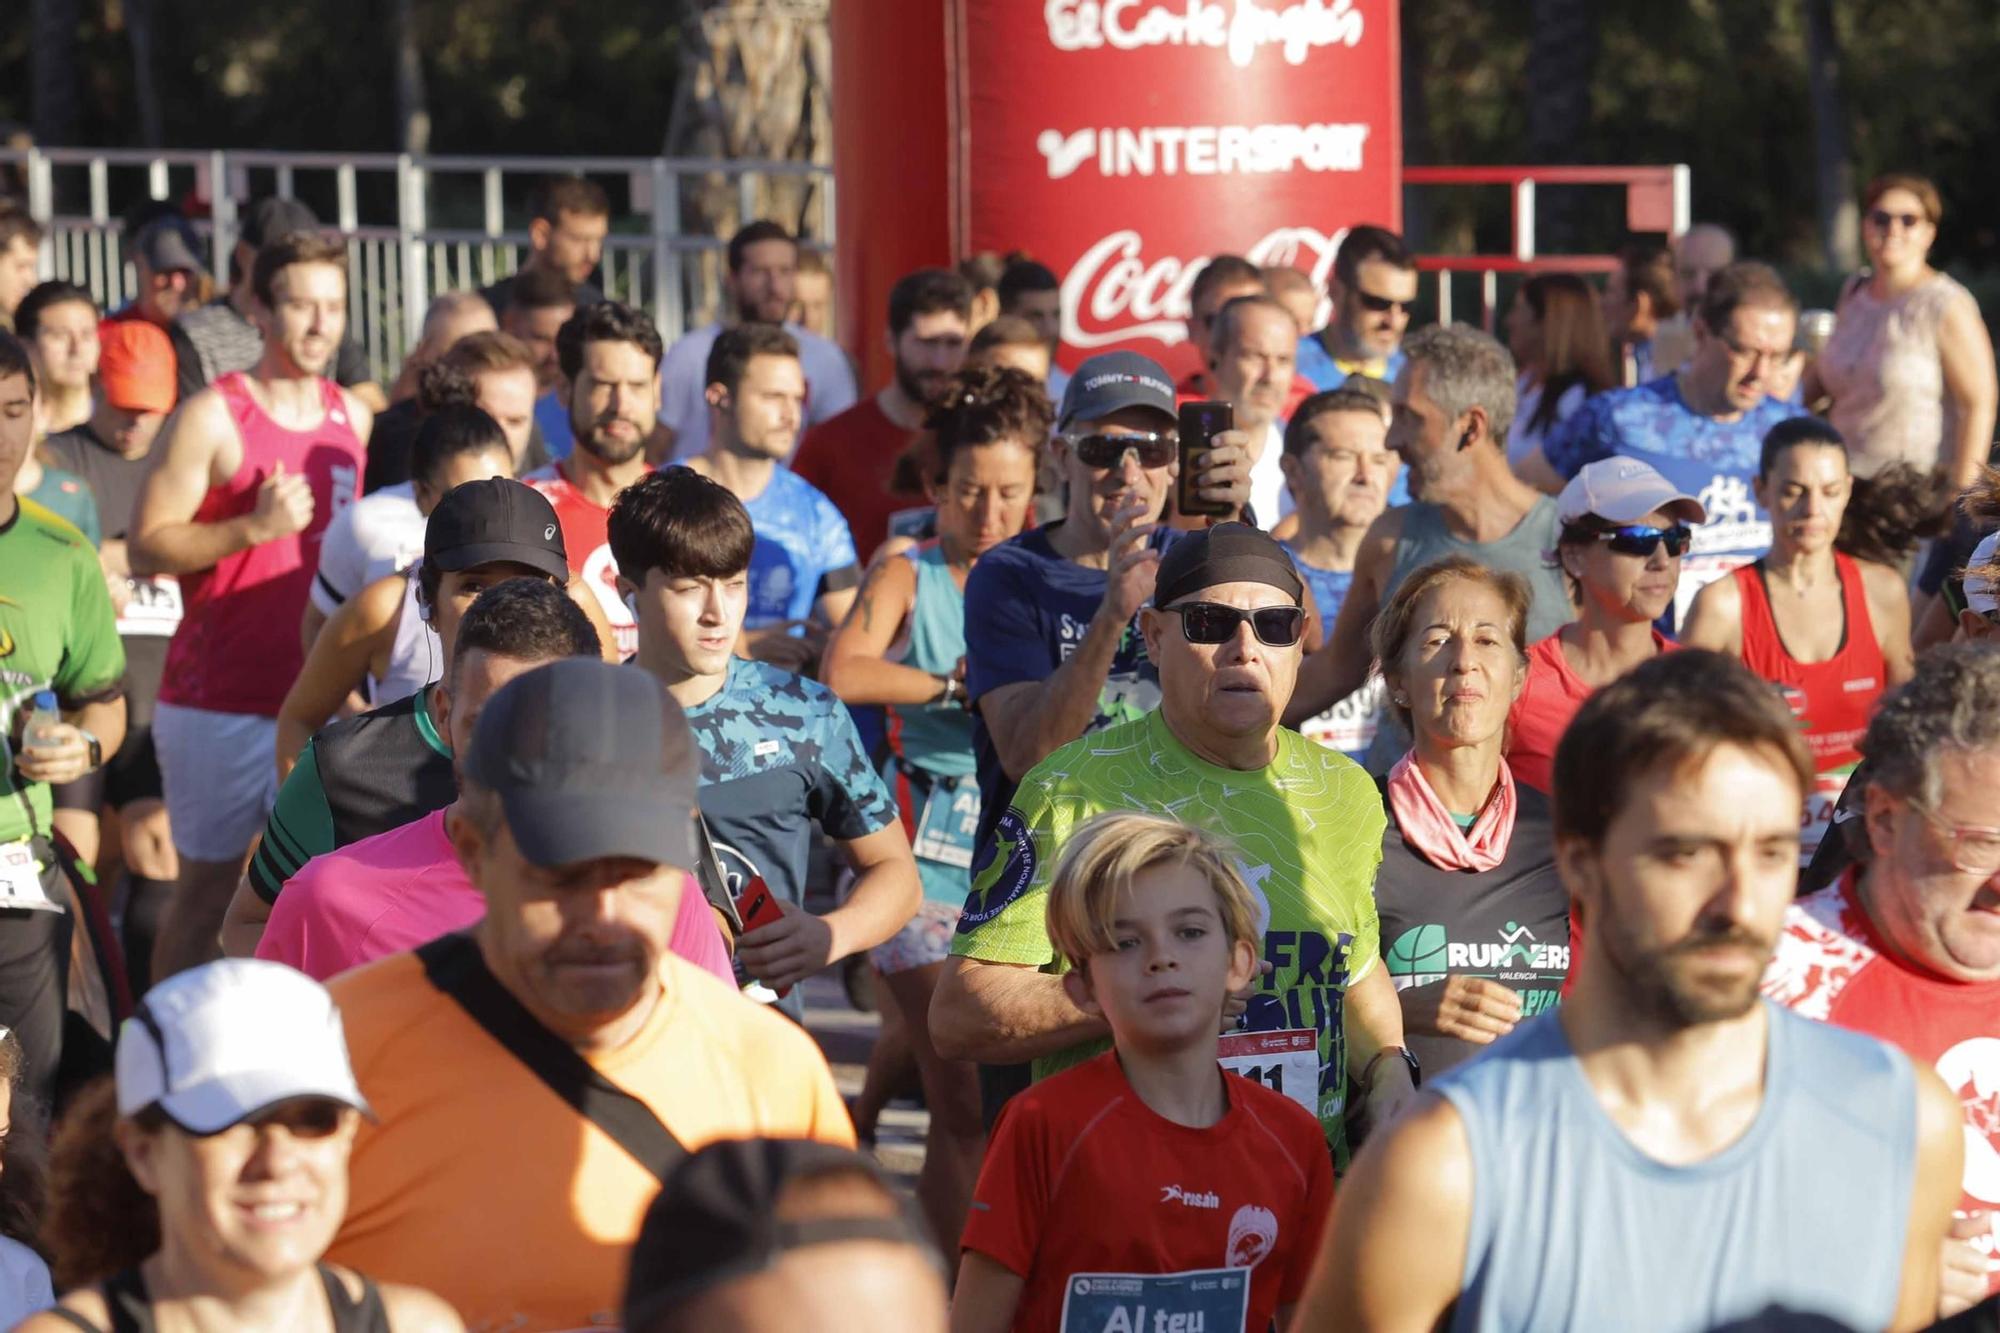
454,965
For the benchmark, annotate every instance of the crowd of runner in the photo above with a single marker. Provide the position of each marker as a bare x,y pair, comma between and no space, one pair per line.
1501,835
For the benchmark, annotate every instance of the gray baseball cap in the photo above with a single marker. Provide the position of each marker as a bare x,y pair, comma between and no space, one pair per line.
268,219
1112,381
590,760
169,244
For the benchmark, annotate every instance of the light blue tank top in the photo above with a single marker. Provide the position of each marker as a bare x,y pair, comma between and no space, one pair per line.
1527,551
937,739
1573,1227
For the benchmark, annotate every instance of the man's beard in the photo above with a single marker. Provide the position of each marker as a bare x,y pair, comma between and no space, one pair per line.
603,447
1665,986
912,384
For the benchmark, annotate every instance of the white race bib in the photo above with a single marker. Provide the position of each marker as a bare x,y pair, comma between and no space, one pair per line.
1285,1062
21,879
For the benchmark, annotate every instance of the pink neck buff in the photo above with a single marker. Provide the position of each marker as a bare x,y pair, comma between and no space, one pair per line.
1429,828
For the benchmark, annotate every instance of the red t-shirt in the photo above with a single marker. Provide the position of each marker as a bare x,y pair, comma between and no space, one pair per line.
849,458
583,531
1548,701
1832,965
1082,1177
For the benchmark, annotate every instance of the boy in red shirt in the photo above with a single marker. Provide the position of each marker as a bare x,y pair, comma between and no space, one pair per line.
1147,1188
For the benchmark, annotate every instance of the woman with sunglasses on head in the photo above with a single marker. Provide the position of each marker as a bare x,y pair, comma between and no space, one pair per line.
1475,920
903,646
1825,616
200,1187
1910,365
1624,530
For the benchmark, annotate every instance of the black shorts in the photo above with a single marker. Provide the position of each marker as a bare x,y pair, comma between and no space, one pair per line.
133,774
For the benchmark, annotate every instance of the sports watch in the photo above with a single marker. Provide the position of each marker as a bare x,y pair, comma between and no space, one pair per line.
1409,1058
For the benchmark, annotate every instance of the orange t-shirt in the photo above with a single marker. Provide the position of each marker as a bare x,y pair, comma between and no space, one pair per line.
1082,1177
482,1185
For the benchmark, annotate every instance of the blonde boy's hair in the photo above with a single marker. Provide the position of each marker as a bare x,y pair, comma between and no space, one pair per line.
1094,875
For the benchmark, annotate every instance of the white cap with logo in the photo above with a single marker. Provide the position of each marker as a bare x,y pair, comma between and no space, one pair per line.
218,1043
1624,490
1982,594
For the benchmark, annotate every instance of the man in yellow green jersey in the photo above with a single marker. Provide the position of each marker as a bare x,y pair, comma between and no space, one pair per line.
57,634
1322,1019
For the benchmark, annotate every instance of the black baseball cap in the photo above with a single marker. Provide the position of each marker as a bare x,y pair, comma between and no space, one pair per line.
268,219
494,519
169,244
716,1220
590,759
1225,553
1112,381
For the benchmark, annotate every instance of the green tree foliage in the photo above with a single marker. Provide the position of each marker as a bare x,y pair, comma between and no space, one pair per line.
505,76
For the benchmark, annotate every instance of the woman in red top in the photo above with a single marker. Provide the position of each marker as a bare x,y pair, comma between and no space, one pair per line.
1825,616
1624,531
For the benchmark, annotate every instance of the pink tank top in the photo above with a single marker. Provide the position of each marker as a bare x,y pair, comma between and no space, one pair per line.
237,648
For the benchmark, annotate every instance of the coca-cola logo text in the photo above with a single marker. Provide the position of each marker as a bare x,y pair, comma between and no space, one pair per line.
1114,294
1242,29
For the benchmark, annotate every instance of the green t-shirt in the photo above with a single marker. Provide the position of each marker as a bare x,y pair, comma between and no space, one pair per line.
1309,831
57,632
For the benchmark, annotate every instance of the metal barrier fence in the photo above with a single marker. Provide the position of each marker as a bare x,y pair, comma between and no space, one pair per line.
1657,199
384,205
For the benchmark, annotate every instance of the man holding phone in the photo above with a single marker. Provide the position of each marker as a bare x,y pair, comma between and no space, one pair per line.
1051,649
780,760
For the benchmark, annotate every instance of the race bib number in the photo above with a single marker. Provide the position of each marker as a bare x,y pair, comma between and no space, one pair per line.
1820,803
1349,726
1213,1300
153,606
948,824
1285,1062
21,879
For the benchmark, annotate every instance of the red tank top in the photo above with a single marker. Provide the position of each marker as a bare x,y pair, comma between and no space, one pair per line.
1832,699
237,648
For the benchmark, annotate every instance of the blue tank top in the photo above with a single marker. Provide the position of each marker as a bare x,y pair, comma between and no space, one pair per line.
935,738
1573,1227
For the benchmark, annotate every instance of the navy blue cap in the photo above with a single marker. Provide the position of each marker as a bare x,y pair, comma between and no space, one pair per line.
1112,381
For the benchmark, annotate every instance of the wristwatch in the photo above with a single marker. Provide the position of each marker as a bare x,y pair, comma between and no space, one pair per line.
951,691
1409,1058
96,750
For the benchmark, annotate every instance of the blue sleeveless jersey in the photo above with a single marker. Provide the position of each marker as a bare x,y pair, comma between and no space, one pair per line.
1573,1227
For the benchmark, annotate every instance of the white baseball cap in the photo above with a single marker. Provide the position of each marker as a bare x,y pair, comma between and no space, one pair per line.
1624,490
1982,594
221,1042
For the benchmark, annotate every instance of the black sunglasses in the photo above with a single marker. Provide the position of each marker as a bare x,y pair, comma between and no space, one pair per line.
1642,539
1212,622
1108,451
1882,217
1383,304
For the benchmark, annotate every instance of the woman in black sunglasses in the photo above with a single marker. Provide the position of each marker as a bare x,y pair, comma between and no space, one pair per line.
1624,530
1909,367
201,1187
1818,617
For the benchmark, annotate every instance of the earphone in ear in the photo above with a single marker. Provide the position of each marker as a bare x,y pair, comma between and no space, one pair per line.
1465,440
632,605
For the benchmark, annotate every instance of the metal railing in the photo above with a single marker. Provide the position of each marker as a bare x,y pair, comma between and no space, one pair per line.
384,203
1657,199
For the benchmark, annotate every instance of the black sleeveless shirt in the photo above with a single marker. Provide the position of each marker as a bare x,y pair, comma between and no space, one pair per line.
132,1309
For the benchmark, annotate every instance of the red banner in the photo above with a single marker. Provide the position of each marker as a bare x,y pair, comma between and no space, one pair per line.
1121,142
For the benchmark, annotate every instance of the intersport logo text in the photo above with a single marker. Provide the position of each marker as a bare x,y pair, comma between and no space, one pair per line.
1114,293
1242,29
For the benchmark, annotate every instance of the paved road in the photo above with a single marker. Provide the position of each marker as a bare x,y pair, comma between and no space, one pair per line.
847,1036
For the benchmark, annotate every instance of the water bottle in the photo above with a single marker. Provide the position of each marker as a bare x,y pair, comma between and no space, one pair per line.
44,723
